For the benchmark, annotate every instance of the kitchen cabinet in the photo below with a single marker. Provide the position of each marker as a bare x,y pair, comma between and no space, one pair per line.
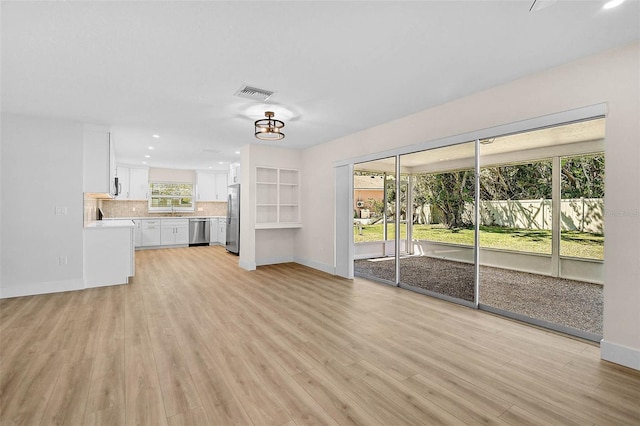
213,231
218,233
222,231
234,173
133,183
151,233
122,173
137,233
277,198
174,232
138,183
212,186
98,161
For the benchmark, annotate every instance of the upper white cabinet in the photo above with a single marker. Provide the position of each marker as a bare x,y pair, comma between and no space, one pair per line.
234,173
277,198
133,183
138,183
212,186
98,161
122,173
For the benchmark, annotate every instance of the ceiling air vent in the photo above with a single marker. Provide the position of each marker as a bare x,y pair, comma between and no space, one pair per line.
254,93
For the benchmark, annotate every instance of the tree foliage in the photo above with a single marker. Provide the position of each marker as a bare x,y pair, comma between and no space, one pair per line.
516,182
448,193
583,176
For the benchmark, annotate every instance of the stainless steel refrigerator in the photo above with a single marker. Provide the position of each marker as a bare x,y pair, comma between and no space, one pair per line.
233,219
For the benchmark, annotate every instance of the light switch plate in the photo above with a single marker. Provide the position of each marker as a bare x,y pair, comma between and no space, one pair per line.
61,211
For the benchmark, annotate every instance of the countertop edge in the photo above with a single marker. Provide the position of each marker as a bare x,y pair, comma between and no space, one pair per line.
116,223
161,217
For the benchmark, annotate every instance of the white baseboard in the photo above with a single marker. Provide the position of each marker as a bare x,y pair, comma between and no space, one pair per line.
619,354
41,288
249,266
273,260
329,269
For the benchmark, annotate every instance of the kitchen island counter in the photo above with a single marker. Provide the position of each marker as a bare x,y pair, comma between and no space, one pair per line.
111,223
109,254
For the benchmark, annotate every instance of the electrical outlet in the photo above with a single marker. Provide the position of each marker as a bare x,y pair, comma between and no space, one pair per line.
61,210
62,260
200,209
133,209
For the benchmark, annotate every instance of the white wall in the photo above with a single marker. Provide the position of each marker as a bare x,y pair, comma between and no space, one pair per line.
41,170
611,77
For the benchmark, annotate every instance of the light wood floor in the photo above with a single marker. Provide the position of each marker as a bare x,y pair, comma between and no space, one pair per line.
194,340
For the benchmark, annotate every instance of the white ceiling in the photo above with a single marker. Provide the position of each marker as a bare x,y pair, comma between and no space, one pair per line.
172,68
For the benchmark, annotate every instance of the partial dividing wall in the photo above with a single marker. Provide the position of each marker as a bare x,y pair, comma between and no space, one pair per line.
42,206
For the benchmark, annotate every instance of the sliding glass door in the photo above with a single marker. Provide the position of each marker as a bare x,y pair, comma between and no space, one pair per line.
374,220
541,227
441,223
512,224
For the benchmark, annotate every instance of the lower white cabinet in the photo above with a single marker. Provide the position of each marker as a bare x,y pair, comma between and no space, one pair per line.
222,231
137,233
150,233
174,232
213,231
218,234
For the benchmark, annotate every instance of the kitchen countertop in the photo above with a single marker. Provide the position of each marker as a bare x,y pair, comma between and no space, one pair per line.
160,217
114,223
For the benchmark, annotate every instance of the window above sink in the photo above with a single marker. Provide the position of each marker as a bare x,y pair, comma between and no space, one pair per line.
169,197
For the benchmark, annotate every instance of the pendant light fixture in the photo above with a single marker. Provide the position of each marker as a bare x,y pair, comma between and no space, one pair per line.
268,129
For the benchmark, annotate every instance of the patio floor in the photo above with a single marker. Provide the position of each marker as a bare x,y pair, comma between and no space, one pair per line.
574,304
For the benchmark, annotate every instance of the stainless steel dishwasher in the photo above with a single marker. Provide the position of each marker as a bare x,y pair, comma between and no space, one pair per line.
199,230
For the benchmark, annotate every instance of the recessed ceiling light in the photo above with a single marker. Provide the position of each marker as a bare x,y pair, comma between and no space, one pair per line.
237,152
144,162
147,156
220,162
150,147
211,167
613,3
155,136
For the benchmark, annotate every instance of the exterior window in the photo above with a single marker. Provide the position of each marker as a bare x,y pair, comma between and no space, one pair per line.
582,192
169,197
516,208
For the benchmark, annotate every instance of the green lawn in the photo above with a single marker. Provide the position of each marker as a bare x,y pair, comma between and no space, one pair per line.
572,243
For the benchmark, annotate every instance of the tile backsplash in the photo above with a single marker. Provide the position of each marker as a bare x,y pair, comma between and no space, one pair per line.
90,209
137,208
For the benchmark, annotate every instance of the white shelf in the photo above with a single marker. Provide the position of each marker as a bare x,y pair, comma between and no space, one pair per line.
277,198
279,225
